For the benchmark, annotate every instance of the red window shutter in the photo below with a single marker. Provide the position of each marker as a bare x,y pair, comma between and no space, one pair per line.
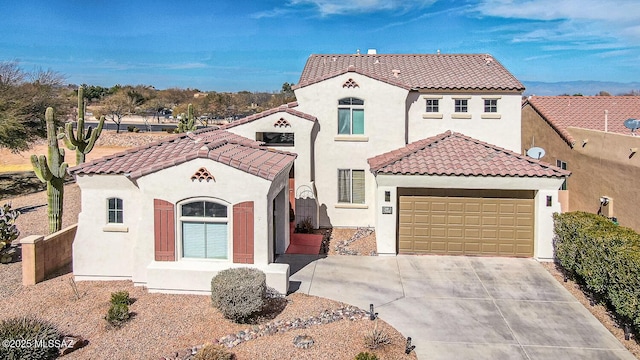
164,230
243,232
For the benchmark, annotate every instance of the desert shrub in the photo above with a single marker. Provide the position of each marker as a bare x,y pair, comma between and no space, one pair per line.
239,293
214,352
120,297
376,338
603,257
28,338
305,226
132,128
117,315
8,229
366,356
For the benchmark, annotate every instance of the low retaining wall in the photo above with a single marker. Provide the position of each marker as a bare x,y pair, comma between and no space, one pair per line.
43,256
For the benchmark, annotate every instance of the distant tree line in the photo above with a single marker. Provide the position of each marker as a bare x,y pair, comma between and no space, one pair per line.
24,97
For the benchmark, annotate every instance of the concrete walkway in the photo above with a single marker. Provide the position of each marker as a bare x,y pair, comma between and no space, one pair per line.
463,307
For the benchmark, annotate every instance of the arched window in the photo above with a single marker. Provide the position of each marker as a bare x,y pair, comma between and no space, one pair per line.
115,212
203,229
351,116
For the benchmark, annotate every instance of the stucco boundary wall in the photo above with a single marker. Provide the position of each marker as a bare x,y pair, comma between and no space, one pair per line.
43,256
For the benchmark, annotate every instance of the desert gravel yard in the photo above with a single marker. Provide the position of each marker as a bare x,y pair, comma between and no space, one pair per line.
164,324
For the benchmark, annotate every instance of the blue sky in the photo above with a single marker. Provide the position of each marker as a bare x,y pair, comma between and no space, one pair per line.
258,45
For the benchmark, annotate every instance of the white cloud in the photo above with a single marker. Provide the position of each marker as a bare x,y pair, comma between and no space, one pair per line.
345,7
592,21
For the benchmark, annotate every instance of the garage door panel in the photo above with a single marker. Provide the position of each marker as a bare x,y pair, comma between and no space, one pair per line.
466,226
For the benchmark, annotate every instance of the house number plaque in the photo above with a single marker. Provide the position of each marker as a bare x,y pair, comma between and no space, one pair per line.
387,210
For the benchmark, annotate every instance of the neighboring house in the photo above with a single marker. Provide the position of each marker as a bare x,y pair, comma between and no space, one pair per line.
171,214
425,148
351,109
586,135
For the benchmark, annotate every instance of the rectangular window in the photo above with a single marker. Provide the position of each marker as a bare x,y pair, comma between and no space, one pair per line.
491,105
562,165
461,105
351,186
433,105
350,116
276,138
114,211
204,240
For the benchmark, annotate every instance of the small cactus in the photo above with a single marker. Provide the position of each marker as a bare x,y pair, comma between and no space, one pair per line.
83,142
187,124
52,171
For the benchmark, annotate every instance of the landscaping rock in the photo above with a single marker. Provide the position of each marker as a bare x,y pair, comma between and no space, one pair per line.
303,341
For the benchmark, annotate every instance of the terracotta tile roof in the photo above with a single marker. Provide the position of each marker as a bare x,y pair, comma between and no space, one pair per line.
218,145
586,112
288,108
416,71
456,154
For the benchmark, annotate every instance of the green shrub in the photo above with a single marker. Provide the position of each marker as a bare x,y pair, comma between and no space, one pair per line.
132,128
8,229
35,339
120,297
604,257
239,293
117,315
214,352
366,356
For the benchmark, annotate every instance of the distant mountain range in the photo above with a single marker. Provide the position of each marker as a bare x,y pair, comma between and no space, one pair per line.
578,87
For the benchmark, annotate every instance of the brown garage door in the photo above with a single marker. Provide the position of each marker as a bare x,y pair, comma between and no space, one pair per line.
466,226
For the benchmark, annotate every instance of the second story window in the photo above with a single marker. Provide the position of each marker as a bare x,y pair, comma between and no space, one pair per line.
461,105
491,105
433,105
350,116
562,165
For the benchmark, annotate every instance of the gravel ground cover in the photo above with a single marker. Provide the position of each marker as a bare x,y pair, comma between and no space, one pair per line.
164,325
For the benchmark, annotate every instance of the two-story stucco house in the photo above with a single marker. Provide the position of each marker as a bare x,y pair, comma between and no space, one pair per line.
424,148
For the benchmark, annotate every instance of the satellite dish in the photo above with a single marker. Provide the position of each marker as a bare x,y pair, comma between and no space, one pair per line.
535,152
632,124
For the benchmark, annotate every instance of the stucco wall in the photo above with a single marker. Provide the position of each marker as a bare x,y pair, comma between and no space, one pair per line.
501,128
384,130
603,166
303,146
127,250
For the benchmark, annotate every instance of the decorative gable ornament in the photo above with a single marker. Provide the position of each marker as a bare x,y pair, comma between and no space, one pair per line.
281,123
350,84
202,175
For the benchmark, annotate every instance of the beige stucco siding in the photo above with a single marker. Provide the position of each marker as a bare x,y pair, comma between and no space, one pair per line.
602,167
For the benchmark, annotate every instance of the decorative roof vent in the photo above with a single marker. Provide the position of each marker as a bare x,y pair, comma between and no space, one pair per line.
395,72
350,84
202,174
488,59
282,122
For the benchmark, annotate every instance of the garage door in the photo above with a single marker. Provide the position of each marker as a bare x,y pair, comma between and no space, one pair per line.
466,226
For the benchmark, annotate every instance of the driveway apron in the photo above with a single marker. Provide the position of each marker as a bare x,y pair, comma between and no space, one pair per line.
456,307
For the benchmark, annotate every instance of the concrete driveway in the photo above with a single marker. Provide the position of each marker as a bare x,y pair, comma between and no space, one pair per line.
463,307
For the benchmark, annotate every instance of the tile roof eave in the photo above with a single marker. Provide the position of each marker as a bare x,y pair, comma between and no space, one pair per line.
348,70
564,134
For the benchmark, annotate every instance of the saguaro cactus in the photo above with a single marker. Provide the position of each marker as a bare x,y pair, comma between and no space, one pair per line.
188,124
83,142
52,171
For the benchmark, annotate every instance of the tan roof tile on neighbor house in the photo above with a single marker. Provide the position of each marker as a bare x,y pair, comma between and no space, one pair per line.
219,145
416,71
456,154
586,112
